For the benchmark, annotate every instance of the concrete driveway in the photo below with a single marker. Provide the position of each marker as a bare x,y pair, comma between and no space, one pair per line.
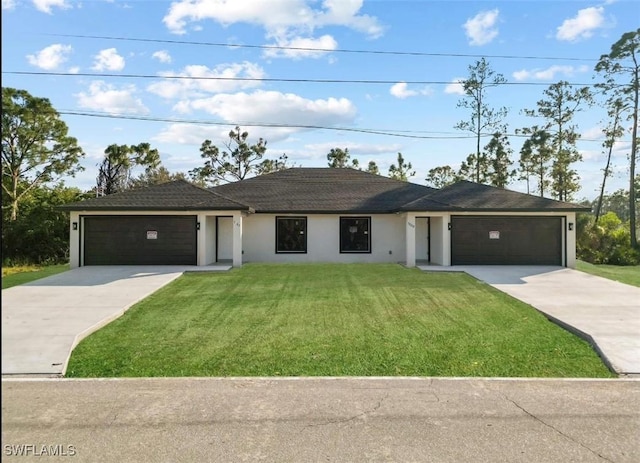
604,312
44,320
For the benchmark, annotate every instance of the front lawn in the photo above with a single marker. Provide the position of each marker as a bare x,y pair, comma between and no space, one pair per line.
14,276
627,274
332,320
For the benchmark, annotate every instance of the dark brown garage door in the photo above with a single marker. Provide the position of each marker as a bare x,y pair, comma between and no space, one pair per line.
506,240
140,240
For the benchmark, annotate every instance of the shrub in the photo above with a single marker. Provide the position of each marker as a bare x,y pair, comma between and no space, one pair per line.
607,242
40,235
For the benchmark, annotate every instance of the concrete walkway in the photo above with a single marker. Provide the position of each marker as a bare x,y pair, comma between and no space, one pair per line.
44,320
604,312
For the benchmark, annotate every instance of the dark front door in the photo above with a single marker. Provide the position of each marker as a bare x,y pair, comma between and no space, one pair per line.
140,240
506,240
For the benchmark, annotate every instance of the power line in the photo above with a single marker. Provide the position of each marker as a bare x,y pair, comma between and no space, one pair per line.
386,132
325,50
393,133
269,79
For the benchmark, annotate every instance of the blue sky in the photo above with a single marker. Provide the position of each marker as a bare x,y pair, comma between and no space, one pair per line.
531,43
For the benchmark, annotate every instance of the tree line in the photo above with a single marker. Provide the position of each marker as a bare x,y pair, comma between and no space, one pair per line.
38,153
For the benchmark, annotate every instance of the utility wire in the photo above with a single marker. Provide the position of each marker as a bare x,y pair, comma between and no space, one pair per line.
326,50
268,79
386,132
403,134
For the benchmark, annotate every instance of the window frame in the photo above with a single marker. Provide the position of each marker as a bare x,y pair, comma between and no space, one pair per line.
343,219
278,228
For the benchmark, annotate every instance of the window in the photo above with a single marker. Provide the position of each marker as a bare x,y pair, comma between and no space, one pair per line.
355,234
291,234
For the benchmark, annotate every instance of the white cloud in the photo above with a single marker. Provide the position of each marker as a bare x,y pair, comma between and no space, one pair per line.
356,150
8,4
592,133
455,87
191,134
549,73
51,57
313,48
582,26
275,108
46,5
108,60
345,13
105,97
481,28
206,80
401,90
278,18
162,55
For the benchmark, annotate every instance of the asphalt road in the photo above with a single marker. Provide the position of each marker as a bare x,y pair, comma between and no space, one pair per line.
321,420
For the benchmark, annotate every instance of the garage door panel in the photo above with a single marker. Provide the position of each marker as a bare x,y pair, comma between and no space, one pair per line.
140,240
477,240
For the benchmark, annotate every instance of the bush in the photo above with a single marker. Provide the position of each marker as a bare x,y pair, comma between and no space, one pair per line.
607,242
40,235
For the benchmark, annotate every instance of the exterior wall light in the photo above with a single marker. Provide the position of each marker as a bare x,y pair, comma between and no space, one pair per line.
197,225
570,226
74,225
449,225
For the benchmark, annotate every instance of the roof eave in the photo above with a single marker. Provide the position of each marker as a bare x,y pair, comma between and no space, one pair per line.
498,209
152,208
525,209
322,211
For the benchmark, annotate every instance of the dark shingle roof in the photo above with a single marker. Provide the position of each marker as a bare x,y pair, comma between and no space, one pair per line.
324,190
176,195
469,196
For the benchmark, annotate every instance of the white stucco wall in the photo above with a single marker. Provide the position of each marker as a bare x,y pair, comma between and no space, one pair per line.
422,238
323,239
570,237
74,239
225,238
210,239
439,240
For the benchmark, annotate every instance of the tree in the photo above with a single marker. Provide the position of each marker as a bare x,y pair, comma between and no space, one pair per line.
498,153
558,110
441,176
483,118
605,243
372,168
612,132
36,147
535,159
273,165
623,61
471,166
114,172
339,158
238,161
156,176
40,234
617,202
402,171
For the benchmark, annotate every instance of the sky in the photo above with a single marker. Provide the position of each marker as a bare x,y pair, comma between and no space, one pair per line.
378,77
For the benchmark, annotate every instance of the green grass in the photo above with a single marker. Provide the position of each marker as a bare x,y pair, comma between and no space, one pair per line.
627,274
14,276
332,320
